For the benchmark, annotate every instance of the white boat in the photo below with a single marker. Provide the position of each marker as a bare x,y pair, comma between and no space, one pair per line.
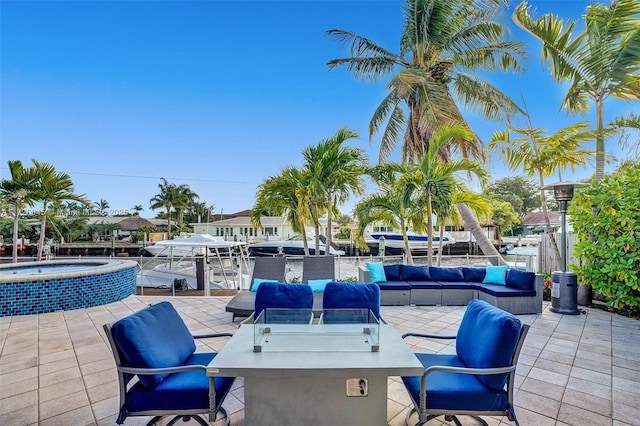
394,240
293,246
223,264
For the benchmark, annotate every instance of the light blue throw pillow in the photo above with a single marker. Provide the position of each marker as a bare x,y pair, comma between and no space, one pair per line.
258,281
318,285
496,275
377,271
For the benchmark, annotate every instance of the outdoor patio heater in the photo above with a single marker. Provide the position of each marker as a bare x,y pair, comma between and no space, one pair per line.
564,285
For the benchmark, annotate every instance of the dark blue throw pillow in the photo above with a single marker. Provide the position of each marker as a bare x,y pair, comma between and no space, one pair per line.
414,273
446,274
473,275
392,272
522,280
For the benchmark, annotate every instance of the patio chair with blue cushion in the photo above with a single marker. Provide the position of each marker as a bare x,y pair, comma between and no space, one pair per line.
283,303
478,379
272,269
155,347
350,302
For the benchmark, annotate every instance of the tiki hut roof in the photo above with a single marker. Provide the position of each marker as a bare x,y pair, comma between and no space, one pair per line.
133,223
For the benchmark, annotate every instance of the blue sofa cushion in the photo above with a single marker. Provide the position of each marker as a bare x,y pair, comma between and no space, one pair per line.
155,337
377,271
257,281
424,285
352,295
279,295
470,393
496,275
180,391
394,285
473,275
522,280
392,272
487,338
445,274
414,273
457,285
500,290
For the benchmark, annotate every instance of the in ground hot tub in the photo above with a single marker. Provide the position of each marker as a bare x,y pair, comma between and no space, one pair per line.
38,287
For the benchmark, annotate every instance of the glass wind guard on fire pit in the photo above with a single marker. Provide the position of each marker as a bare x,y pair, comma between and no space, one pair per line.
295,330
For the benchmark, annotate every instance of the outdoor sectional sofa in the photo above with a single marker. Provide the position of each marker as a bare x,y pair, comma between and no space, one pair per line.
400,284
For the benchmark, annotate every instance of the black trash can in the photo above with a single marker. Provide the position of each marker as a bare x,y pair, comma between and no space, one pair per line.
564,293
200,264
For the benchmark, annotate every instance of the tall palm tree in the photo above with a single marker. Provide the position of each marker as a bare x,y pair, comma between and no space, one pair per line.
137,209
18,192
284,195
184,198
164,199
543,155
52,187
101,206
441,44
335,172
601,61
434,179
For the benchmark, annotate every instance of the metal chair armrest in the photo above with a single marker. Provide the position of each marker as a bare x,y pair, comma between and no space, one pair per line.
151,371
203,336
430,336
467,370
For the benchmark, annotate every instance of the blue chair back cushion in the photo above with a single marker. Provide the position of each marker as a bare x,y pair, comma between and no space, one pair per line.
414,273
522,280
446,274
155,337
352,295
487,338
392,272
279,295
473,275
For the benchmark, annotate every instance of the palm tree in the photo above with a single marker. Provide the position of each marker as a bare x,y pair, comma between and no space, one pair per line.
184,198
387,205
18,192
137,209
433,179
601,61
101,207
335,172
441,43
164,199
284,195
542,155
52,187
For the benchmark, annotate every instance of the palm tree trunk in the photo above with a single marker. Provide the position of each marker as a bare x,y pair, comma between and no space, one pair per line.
471,223
440,247
14,251
429,229
600,155
406,243
169,222
43,227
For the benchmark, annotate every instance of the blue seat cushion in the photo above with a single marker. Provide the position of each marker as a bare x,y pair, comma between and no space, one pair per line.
352,295
179,391
453,391
154,337
457,285
279,295
474,275
446,274
414,273
394,285
522,280
487,338
392,272
422,285
500,290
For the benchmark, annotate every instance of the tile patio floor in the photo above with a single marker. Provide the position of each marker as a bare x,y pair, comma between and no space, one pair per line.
57,369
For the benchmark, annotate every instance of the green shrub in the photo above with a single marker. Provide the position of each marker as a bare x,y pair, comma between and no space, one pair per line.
606,218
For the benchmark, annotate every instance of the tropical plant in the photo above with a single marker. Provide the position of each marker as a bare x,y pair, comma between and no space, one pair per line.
606,218
51,187
101,207
164,199
137,209
18,192
441,44
542,155
334,172
502,216
521,192
433,179
183,199
601,61
284,195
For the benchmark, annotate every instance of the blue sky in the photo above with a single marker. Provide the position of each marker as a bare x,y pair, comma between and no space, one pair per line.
218,95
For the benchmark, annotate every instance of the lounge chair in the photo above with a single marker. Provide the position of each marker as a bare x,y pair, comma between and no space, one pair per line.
479,378
317,271
264,269
155,347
